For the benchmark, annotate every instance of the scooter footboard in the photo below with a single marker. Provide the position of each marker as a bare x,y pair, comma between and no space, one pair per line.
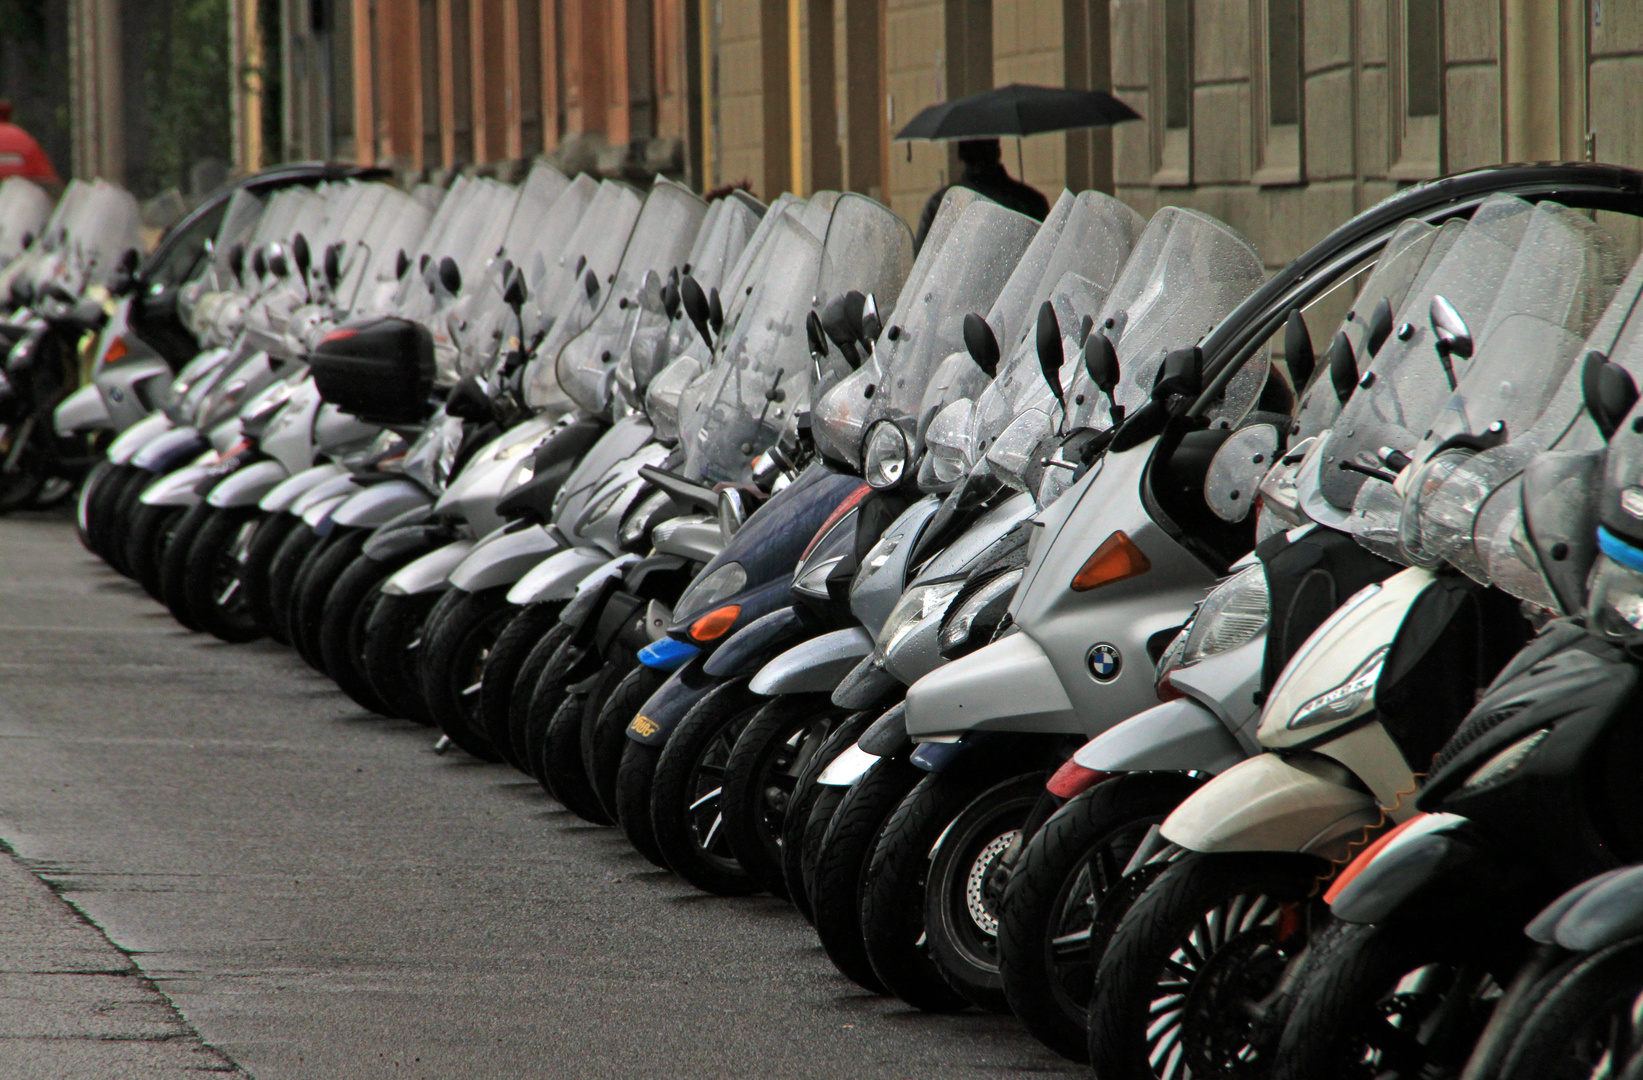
1009,685
1304,803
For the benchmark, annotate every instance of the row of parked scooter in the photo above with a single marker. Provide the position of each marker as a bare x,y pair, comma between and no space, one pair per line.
1005,606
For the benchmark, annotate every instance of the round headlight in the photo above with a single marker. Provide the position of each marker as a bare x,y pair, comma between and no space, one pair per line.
884,460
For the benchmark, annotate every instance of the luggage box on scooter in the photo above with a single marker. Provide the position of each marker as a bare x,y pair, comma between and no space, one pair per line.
380,370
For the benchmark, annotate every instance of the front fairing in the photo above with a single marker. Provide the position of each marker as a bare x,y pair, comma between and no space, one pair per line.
473,493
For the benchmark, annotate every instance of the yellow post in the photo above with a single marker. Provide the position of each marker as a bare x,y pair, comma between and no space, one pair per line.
795,102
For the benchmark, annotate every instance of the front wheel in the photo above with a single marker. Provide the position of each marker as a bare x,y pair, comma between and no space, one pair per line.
313,593
393,636
1589,1022
342,629
686,807
458,637
174,564
606,738
212,587
257,571
1188,983
502,668
1069,867
798,847
1385,1002
145,542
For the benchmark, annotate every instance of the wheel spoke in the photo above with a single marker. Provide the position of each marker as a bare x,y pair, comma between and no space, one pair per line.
228,593
709,797
713,830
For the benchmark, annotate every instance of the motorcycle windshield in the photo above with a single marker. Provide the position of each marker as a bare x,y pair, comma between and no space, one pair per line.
1405,384
757,378
962,273
537,195
1413,252
399,223
105,225
1561,280
660,243
574,287
239,224
1185,274
715,256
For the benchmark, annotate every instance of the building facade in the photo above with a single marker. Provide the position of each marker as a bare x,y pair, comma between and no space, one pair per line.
1282,117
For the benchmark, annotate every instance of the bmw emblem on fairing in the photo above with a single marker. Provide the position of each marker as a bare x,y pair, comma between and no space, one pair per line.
1104,662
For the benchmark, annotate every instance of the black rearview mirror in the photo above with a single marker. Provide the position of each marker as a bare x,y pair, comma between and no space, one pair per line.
841,327
1101,363
981,343
1181,373
236,261
259,263
1380,327
277,263
450,276
816,335
1050,354
300,254
129,259
1609,392
696,307
1343,366
715,310
1298,354
513,293
333,265
590,283
401,264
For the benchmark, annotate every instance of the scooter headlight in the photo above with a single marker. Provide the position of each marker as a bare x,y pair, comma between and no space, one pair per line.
986,605
886,454
1233,613
917,606
1614,605
1506,764
711,590
1352,697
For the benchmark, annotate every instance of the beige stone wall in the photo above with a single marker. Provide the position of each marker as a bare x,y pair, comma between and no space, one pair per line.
915,77
740,148
1027,49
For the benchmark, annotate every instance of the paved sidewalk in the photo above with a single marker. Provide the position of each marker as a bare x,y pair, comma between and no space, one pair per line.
74,1007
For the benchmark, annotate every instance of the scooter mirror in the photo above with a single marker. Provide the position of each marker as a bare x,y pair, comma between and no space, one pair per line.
129,259
1343,366
300,254
715,310
817,336
259,262
871,324
401,264
450,275
1298,354
1050,355
1380,327
1454,339
236,261
277,263
514,292
837,323
670,299
422,264
1181,373
1101,363
851,305
696,307
1609,392
28,240
981,343
732,513
333,265
469,402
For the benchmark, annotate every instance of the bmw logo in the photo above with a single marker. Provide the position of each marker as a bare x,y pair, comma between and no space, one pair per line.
1104,662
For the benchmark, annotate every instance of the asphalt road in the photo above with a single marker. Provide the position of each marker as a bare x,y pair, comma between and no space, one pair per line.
319,895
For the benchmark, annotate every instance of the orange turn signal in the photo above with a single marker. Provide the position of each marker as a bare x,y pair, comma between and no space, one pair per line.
1115,560
715,623
117,350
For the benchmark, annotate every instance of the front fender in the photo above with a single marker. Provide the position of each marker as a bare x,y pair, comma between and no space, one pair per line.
1436,866
134,438
177,488
1005,686
379,504
317,515
243,487
169,449
1301,803
561,575
1608,913
430,572
815,666
503,557
398,539
677,695
284,494
82,410
329,488
1177,736
745,651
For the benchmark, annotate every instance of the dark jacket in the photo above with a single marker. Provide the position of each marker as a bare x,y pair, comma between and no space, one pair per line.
992,181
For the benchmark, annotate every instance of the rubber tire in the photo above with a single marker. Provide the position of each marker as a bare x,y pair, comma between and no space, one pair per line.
712,723
314,586
103,513
124,522
174,564
513,646
342,629
211,548
1153,929
391,664
633,783
459,634
1050,865
554,746
801,843
104,475
761,759
1587,991
283,572
256,574
841,864
1349,973
313,558
151,527
562,772
602,753
525,730
893,892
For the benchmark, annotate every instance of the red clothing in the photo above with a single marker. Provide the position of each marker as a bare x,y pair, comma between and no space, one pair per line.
20,155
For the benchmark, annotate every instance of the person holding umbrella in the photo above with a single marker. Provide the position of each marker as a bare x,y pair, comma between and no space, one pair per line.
978,121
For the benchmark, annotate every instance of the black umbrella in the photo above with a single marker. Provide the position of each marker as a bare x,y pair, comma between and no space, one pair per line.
1017,110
